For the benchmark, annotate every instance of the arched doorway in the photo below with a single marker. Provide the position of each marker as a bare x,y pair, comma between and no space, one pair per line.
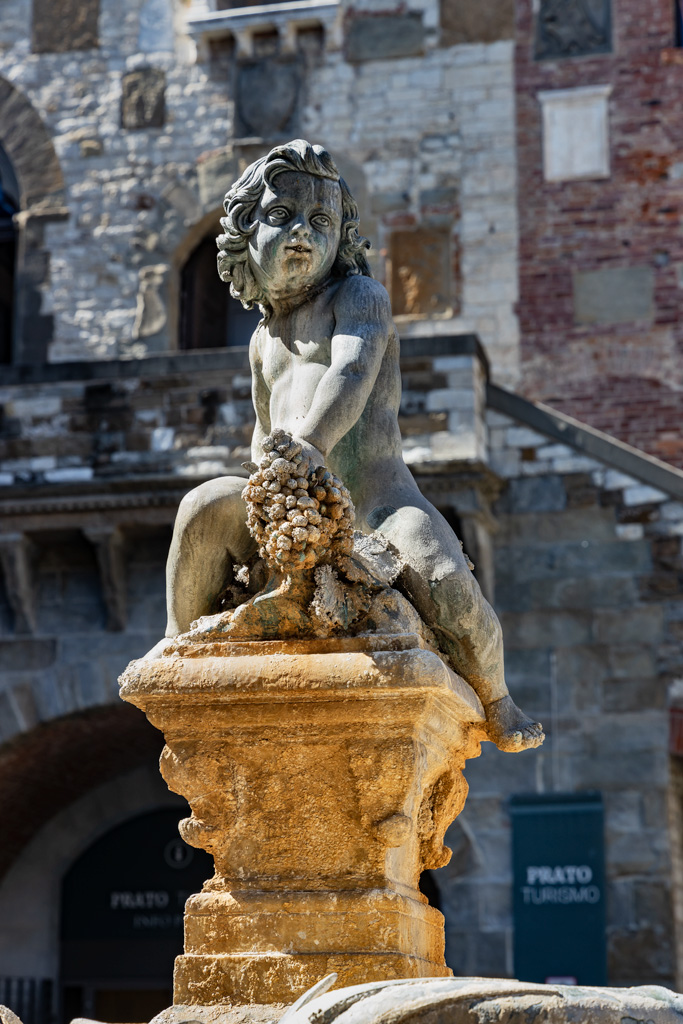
209,316
9,204
122,907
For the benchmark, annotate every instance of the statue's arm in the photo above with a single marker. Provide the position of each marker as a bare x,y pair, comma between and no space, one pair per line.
260,396
362,325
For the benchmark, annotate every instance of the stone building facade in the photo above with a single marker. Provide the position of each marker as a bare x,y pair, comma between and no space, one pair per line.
147,116
576,538
587,553
125,382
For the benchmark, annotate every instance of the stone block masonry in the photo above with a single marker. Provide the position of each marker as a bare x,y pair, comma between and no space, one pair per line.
433,138
424,133
191,416
589,566
587,562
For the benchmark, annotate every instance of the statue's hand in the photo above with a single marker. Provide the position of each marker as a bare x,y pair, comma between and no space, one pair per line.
310,452
289,446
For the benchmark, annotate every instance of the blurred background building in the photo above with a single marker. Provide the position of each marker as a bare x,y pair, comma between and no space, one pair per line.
519,170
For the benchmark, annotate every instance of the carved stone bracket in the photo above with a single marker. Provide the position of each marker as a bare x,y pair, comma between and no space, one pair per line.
16,556
109,548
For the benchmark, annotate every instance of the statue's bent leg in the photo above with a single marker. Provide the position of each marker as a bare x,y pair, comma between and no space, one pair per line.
445,592
210,534
448,597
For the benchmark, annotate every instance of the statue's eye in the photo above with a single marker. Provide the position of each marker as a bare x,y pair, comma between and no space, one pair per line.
321,220
278,215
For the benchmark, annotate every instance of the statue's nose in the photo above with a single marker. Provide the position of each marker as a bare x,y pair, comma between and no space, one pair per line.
300,227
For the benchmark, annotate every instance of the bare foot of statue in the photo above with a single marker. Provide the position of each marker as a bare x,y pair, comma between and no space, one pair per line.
160,649
509,728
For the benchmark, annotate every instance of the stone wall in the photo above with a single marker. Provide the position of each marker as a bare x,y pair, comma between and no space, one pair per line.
30,891
148,109
583,561
192,418
138,114
71,662
588,587
601,257
190,415
432,138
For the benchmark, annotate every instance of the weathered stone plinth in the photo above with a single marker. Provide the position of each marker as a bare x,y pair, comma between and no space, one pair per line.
322,776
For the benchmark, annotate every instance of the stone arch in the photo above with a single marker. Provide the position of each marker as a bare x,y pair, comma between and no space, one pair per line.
30,890
186,210
183,249
179,219
158,304
208,317
51,766
28,145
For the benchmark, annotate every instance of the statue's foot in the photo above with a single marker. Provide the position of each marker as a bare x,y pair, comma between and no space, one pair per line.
509,728
159,650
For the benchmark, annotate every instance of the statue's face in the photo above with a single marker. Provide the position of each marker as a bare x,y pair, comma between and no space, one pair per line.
298,225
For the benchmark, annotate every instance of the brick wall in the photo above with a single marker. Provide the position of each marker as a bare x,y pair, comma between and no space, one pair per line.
622,375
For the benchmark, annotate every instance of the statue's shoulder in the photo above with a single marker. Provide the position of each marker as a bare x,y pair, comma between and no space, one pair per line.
358,293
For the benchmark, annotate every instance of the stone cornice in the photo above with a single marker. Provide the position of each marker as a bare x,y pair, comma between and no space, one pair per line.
151,502
209,361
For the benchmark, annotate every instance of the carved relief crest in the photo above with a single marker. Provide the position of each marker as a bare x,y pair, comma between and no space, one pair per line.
267,95
572,28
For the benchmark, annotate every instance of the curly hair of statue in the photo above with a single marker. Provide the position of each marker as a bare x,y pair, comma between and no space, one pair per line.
239,225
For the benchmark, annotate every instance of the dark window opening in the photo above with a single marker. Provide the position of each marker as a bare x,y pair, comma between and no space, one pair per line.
310,39
209,316
9,204
678,15
266,43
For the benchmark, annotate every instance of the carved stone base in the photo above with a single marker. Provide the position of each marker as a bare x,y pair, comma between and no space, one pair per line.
374,934
322,776
242,979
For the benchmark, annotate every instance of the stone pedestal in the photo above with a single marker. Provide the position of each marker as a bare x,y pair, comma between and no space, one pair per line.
322,776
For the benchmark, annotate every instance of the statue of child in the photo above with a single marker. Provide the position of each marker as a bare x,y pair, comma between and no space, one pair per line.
325,369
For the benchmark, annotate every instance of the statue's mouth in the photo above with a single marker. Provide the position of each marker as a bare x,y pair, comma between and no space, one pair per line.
298,248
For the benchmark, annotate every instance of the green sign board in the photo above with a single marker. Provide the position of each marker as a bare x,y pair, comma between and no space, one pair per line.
558,865
123,901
